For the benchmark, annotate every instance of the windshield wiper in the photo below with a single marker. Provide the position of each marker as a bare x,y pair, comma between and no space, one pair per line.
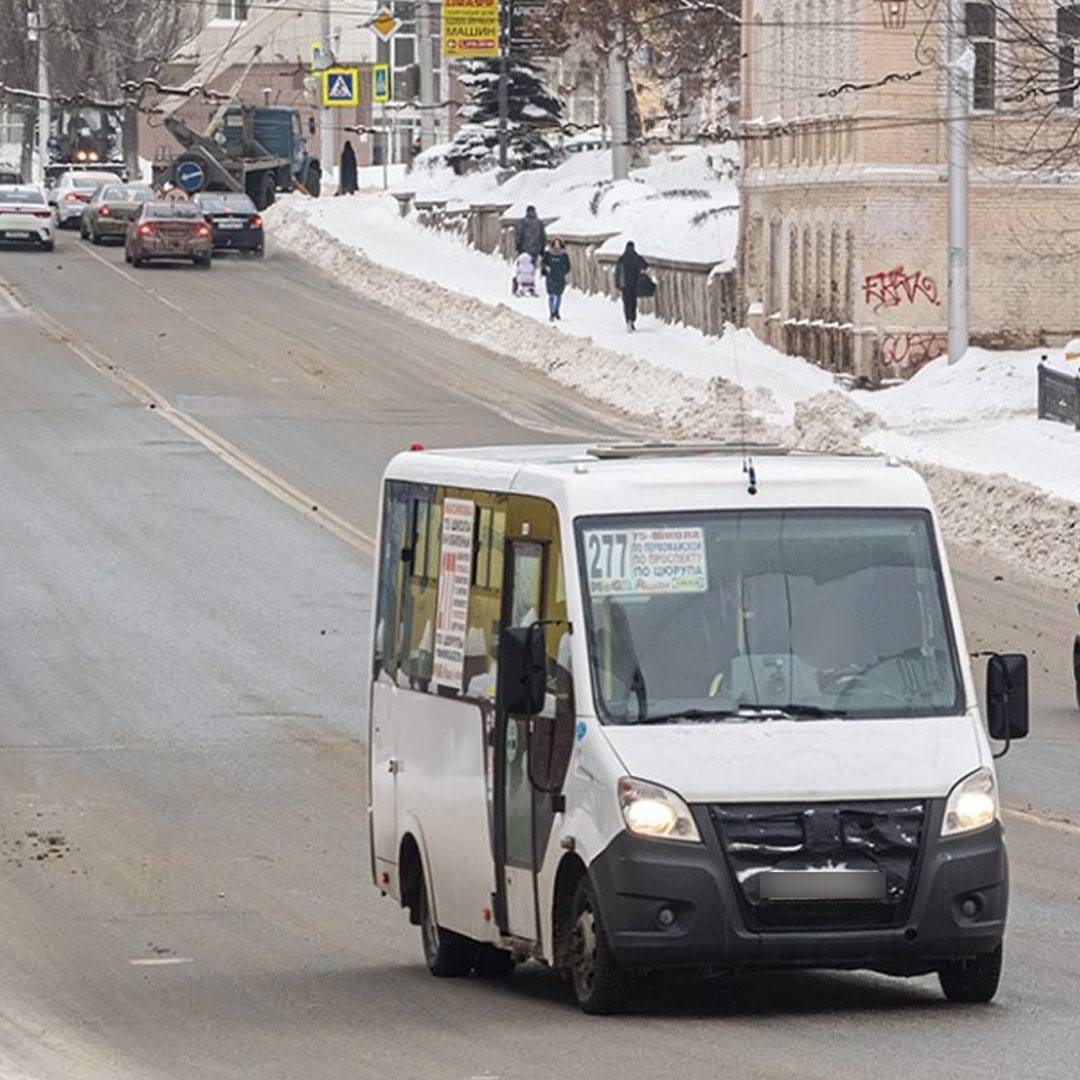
797,711
692,715
746,712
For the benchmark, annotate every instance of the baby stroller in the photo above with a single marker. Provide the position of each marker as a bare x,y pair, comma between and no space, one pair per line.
524,280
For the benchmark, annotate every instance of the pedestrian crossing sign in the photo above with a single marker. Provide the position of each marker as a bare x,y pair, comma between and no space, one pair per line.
340,87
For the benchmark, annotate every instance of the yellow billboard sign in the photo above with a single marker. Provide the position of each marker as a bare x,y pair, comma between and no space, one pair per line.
471,28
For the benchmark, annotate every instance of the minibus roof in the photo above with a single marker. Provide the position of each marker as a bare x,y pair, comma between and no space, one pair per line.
611,478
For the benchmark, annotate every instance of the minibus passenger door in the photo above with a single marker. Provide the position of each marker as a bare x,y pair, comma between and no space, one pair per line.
515,895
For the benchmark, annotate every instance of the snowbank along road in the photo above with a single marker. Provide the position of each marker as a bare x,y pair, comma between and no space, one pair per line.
190,469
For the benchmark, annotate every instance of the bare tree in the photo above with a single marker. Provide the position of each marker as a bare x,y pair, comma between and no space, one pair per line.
690,47
95,48
18,59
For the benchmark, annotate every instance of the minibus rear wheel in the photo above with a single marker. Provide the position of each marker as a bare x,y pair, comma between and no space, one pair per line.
1076,669
973,981
600,984
448,955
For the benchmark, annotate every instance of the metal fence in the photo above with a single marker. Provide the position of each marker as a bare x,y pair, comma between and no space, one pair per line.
1059,396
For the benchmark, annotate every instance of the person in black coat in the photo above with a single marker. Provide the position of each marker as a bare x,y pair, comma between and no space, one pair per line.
347,183
556,270
628,271
530,236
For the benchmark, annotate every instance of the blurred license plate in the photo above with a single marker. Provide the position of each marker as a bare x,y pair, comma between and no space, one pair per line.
230,224
17,235
822,885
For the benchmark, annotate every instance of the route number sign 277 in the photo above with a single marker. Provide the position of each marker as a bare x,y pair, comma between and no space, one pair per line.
637,562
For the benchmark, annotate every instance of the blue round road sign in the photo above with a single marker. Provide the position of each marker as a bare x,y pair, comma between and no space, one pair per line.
190,176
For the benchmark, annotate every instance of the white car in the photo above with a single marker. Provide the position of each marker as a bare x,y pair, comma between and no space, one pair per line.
72,193
25,217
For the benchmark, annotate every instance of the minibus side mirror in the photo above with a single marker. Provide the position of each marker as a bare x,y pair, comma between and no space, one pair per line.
1007,696
522,670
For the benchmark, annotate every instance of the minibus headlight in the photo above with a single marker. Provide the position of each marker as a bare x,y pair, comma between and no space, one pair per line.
972,804
653,811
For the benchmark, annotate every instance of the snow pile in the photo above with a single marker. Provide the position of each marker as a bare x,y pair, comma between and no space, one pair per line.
371,227
979,416
683,205
659,398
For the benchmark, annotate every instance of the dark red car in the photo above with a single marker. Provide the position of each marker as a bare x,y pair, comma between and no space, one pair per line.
168,230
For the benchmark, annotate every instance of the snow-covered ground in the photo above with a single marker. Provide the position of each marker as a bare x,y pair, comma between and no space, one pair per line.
979,415
1006,481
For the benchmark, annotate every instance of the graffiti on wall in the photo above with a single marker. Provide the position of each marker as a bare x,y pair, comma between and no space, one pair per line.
891,288
902,354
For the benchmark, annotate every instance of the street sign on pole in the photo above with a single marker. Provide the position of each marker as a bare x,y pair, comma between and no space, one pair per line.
189,176
385,24
380,83
340,87
470,28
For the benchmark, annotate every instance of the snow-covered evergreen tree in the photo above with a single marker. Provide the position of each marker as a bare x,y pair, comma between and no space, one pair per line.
533,111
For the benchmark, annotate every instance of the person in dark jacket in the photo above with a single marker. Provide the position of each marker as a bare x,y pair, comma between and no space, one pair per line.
628,271
530,235
347,184
556,270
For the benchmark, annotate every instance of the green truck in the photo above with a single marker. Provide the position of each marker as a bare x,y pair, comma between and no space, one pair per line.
257,149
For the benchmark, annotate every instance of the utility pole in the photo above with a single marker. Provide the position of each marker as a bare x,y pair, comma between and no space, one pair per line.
427,74
505,34
35,31
617,113
326,121
958,74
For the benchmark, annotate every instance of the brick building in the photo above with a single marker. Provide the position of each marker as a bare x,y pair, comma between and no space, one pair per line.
844,192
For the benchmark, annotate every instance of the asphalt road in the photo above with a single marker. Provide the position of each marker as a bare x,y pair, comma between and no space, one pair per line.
189,465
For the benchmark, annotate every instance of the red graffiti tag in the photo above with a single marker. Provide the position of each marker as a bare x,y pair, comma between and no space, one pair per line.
890,288
904,354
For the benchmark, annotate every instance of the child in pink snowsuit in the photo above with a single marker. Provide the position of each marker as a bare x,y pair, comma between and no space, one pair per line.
524,275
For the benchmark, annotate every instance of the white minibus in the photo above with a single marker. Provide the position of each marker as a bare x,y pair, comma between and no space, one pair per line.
650,707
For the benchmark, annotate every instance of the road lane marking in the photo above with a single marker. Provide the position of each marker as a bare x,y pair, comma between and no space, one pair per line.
545,428
221,447
162,961
160,297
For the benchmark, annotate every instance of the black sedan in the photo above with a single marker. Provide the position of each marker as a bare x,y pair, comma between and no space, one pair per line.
236,224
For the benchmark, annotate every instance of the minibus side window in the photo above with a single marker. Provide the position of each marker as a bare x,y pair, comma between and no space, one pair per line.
418,622
392,569
485,595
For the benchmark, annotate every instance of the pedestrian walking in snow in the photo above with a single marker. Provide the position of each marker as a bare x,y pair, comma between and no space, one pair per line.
524,283
628,271
347,184
556,270
530,236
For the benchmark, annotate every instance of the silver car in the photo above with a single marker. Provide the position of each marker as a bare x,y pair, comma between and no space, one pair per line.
73,192
110,209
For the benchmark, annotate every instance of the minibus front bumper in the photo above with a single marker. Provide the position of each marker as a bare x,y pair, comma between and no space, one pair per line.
669,904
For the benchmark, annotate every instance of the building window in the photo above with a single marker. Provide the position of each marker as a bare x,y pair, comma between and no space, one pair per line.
1068,28
979,26
233,11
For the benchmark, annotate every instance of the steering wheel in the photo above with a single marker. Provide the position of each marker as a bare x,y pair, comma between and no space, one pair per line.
858,675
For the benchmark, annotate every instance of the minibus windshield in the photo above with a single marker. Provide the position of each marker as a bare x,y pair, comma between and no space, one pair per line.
734,616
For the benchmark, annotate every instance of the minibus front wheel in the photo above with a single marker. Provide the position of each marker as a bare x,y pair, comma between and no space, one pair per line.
448,955
600,984
973,981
